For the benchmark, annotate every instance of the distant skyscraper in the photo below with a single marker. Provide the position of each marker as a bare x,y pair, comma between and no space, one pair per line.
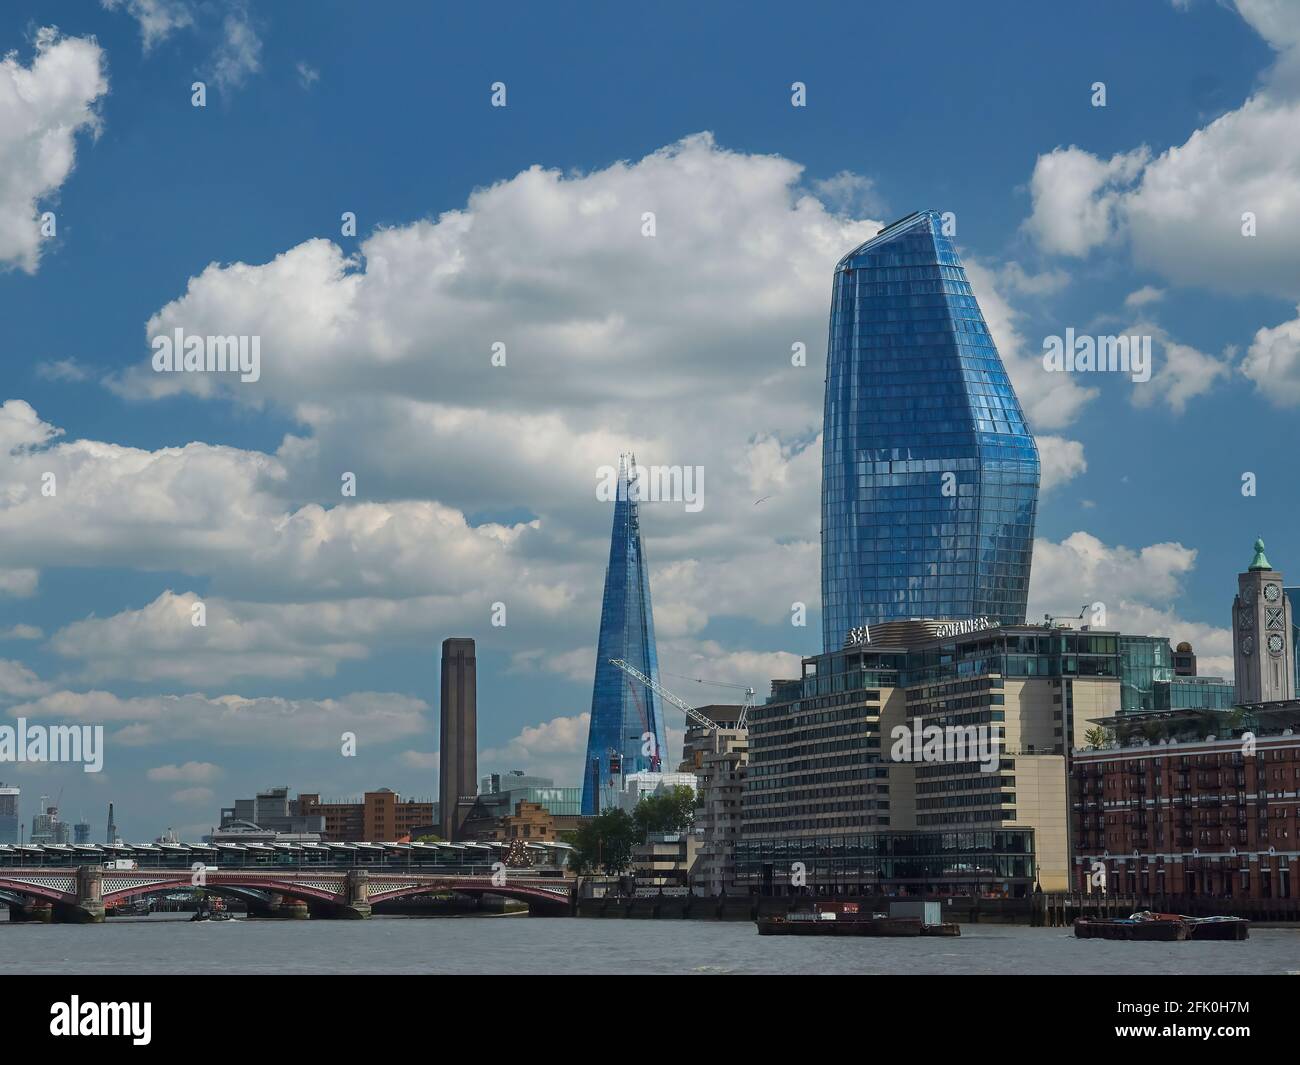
8,814
929,472
458,746
623,710
112,827
81,833
47,826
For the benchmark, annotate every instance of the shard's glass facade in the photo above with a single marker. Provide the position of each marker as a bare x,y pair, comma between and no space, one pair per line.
929,472
623,710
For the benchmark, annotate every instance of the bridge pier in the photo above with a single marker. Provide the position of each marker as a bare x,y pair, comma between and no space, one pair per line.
285,907
357,886
39,912
88,907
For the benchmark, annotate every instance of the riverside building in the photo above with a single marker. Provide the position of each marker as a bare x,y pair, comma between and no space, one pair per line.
934,756
1200,797
719,758
831,785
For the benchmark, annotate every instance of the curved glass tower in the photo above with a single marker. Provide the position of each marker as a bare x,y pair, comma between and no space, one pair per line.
929,472
623,709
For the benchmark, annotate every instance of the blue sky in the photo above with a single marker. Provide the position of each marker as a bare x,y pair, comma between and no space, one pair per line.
522,225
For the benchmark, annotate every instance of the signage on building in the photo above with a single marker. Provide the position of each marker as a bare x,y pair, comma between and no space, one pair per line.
858,635
960,628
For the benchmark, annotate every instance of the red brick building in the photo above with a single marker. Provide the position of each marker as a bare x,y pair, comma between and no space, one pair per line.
381,816
1191,803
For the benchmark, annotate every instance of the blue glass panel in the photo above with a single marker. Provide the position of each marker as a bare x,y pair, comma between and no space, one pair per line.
916,390
623,710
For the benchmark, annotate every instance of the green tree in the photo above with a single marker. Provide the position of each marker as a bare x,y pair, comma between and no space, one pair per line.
1096,737
605,843
672,811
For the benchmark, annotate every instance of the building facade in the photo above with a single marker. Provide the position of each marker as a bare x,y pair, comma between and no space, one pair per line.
626,734
1200,795
934,758
47,826
929,470
508,790
380,816
636,786
827,775
1182,804
9,821
274,811
719,759
662,864
458,748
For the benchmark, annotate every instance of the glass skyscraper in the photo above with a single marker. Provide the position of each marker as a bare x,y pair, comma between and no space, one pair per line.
929,472
623,710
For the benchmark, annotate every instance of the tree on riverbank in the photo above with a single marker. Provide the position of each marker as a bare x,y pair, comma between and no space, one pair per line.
605,842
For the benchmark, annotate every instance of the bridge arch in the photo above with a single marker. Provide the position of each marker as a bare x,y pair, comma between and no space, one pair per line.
535,896
256,888
42,892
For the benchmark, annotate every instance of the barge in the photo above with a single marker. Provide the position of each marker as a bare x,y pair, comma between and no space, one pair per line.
847,919
1148,927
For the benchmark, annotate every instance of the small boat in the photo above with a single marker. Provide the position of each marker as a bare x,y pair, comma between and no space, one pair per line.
134,908
211,910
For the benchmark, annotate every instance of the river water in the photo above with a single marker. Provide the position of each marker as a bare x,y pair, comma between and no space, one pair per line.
520,944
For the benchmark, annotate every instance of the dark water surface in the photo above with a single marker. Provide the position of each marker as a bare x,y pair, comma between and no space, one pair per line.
167,944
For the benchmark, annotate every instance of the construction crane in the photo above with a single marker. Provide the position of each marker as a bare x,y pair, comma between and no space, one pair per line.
749,694
681,704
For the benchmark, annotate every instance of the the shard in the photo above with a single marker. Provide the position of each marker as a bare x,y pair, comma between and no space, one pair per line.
627,724
929,471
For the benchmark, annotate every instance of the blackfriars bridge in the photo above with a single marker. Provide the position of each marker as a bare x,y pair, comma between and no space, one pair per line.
81,893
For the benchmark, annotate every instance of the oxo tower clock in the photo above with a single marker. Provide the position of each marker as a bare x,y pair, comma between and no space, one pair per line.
1264,657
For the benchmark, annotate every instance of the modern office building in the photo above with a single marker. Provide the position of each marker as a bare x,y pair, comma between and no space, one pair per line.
929,471
931,757
497,783
510,789
520,806
272,810
47,826
458,749
81,833
626,734
637,786
9,822
935,756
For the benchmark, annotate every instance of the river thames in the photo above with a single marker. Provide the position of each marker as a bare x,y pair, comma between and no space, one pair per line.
165,944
